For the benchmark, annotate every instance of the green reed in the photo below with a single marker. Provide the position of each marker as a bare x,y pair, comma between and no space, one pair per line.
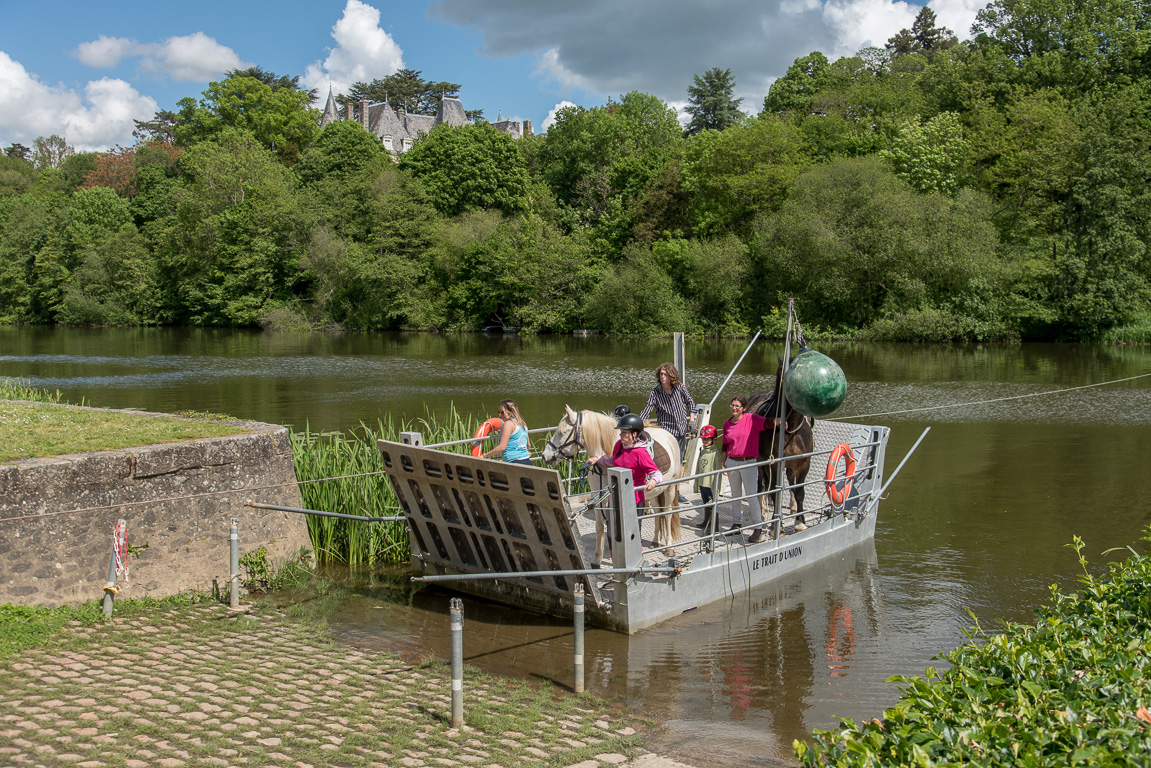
18,389
361,488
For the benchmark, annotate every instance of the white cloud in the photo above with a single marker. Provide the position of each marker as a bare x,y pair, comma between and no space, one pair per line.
194,58
363,52
96,121
957,15
858,23
550,120
604,47
105,52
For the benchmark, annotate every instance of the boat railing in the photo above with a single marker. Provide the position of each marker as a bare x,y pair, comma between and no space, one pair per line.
777,519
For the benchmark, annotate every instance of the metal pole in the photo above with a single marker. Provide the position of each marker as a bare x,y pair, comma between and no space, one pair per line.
781,410
457,614
577,610
734,369
110,588
234,581
530,574
678,356
319,513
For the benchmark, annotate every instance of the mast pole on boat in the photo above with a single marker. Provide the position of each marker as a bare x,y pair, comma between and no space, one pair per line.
783,494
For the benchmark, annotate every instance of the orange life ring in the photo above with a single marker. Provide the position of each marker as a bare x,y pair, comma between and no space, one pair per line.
486,428
839,495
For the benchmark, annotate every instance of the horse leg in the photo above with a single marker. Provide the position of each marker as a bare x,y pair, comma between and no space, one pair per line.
796,481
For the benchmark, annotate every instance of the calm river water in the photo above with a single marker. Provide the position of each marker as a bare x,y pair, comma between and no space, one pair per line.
980,519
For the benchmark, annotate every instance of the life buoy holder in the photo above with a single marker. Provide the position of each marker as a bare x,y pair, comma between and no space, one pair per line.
486,428
835,492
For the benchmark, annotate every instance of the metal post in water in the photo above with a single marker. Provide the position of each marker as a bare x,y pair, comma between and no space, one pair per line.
457,614
234,579
110,588
578,612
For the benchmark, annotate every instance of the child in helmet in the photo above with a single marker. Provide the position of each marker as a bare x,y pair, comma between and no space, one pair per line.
631,452
708,462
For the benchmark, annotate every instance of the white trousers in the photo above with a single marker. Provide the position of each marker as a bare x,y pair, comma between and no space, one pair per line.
743,479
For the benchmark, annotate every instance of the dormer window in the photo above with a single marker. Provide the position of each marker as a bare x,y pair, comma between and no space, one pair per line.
388,144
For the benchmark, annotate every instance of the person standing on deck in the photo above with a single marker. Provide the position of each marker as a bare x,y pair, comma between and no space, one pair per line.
676,409
738,455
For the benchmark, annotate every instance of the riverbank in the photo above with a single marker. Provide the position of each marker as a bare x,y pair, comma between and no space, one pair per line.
200,685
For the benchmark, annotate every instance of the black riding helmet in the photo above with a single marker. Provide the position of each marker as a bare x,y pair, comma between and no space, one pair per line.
620,411
630,421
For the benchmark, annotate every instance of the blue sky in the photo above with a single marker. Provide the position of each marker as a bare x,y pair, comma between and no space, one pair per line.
87,69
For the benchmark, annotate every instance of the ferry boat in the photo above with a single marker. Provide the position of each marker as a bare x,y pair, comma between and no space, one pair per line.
513,533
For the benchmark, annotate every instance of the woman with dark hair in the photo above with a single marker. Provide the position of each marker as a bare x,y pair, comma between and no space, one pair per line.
513,445
738,454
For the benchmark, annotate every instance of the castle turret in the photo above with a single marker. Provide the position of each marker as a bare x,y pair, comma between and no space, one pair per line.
331,110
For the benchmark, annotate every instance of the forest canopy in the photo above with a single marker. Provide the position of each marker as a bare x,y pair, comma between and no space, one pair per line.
993,189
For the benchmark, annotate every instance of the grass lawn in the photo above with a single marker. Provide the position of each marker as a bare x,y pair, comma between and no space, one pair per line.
28,430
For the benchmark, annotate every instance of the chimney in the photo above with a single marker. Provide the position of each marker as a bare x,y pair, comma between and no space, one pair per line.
350,111
527,128
364,114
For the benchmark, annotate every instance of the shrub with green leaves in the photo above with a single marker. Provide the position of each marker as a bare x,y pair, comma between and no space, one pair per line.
1074,689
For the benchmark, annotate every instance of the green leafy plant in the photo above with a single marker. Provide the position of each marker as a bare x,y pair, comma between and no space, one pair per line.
1073,689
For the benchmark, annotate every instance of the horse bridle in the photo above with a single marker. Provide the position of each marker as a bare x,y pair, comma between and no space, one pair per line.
575,440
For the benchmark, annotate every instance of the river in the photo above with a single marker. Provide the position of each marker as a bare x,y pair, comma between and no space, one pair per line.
980,520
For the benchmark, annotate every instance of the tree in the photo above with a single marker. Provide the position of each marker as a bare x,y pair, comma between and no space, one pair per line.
162,127
923,37
406,88
854,244
710,102
281,120
233,249
116,170
736,174
18,151
469,168
342,149
50,151
793,92
930,157
270,79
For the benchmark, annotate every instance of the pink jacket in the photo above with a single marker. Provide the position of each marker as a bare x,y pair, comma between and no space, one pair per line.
638,460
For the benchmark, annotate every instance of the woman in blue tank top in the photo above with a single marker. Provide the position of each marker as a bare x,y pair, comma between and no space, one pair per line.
513,446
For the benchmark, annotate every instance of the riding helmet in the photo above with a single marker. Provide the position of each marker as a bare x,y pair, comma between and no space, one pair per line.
631,421
707,431
620,411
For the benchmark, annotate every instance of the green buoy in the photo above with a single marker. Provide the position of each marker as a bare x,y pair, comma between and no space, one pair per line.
814,384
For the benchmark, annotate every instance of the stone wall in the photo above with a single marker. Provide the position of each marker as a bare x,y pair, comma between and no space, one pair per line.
57,516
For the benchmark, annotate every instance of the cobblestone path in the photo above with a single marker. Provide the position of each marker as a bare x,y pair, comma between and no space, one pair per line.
200,686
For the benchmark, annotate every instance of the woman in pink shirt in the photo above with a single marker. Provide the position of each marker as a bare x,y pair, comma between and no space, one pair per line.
739,452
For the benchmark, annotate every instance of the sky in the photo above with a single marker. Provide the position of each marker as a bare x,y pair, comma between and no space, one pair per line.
86,70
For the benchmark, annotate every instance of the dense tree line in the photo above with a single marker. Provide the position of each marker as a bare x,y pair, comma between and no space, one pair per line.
932,189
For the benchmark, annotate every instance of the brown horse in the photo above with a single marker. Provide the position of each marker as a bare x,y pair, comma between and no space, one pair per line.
798,439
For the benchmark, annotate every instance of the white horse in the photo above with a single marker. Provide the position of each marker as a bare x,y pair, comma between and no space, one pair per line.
595,432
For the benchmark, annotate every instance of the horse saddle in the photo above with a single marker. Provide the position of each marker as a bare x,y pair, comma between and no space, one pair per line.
661,457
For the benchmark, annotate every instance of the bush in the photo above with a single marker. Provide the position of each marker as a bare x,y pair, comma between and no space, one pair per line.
1072,689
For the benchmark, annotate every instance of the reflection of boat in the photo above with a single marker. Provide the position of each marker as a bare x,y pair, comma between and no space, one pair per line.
511,533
